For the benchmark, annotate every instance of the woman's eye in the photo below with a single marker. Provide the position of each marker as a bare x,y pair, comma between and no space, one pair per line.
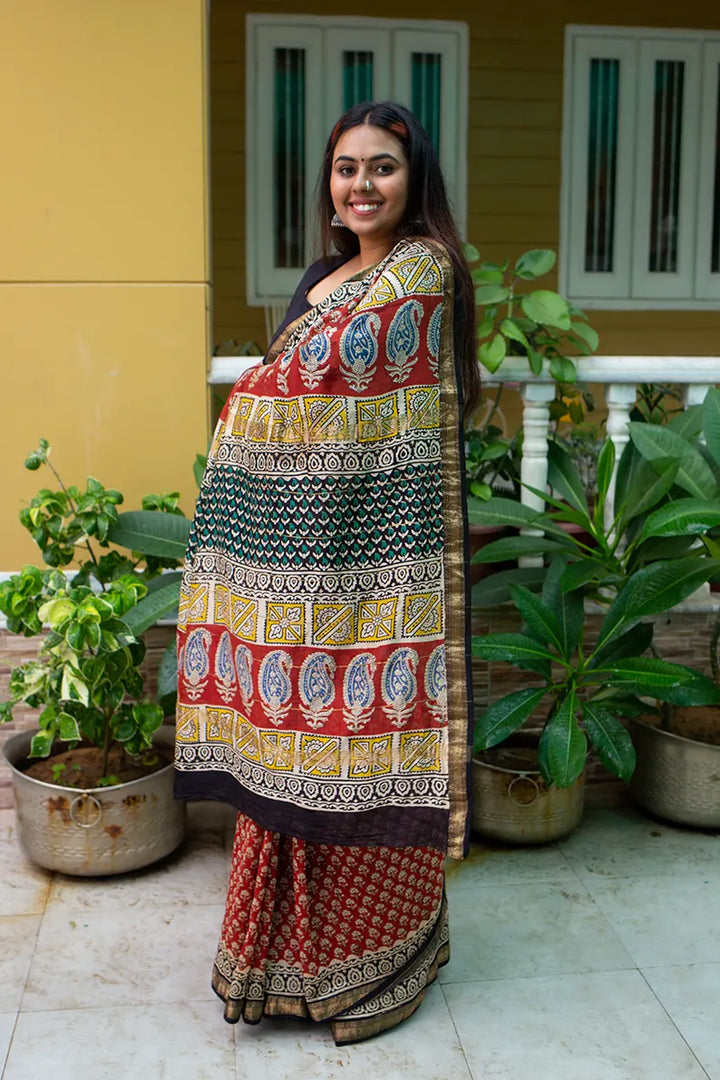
384,168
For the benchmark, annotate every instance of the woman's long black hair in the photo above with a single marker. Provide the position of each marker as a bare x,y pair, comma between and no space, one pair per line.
427,214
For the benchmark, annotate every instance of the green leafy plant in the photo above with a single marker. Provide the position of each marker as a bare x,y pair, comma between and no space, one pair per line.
86,679
516,318
659,547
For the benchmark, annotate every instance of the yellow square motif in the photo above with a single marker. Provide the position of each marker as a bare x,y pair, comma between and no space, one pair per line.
247,740
219,725
327,418
285,624
221,605
243,616
259,425
376,619
287,423
320,755
377,419
243,413
370,756
278,750
423,407
187,725
193,606
422,616
333,624
420,751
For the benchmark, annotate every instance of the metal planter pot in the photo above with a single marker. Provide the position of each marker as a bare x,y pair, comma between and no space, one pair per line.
676,778
513,804
107,830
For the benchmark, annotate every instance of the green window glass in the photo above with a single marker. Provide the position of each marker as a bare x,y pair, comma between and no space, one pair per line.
426,74
289,157
602,165
667,146
357,78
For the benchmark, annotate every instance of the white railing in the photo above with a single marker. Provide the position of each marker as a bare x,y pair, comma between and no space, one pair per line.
620,376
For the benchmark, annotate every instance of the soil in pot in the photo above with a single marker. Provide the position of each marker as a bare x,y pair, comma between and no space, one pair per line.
701,723
82,767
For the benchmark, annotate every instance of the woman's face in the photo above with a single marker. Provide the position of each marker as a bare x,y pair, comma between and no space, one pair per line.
369,183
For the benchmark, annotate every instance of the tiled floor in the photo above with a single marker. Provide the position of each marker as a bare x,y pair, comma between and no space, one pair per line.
597,958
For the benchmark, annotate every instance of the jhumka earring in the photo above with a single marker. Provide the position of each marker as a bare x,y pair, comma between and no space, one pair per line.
337,222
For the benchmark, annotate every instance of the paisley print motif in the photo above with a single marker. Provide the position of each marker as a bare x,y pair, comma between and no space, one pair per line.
359,350
433,338
403,341
225,677
399,685
314,354
196,662
436,684
359,691
243,667
275,686
317,688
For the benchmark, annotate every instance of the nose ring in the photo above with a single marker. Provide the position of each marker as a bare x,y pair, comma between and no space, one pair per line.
367,185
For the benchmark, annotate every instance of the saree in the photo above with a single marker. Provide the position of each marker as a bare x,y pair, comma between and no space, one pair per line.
323,676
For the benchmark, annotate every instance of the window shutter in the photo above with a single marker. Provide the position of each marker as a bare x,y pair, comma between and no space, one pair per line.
707,286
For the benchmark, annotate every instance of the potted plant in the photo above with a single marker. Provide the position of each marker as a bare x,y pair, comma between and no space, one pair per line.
93,785
678,748
631,571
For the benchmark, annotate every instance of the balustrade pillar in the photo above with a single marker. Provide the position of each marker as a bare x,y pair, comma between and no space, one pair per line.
619,398
536,398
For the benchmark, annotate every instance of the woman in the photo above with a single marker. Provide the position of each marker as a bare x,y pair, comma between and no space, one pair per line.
323,673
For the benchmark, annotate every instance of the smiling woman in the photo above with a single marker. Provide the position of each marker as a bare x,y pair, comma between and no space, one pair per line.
323,684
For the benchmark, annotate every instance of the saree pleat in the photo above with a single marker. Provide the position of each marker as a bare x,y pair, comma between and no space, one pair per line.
346,934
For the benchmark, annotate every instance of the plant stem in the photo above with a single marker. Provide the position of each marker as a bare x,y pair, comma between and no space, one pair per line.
73,507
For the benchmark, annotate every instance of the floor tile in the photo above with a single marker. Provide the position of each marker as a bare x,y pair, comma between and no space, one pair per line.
195,874
601,1026
509,930
690,993
300,1050
18,934
625,843
148,955
7,825
492,864
23,886
214,817
173,1042
663,920
7,1026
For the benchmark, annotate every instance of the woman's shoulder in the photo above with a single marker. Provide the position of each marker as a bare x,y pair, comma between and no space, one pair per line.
419,254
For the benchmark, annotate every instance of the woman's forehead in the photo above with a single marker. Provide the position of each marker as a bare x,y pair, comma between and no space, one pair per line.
367,141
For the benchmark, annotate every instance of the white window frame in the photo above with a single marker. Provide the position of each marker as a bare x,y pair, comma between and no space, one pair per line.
325,38
631,286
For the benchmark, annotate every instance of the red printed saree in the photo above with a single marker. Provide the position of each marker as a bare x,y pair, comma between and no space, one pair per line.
323,671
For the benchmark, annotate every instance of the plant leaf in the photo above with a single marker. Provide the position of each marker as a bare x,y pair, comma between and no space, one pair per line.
564,478
500,511
563,369
633,642
683,517
610,739
568,607
657,442
605,467
152,532
547,308
563,746
513,547
535,263
711,422
582,572
153,607
505,716
518,649
495,589
542,623
491,294
587,333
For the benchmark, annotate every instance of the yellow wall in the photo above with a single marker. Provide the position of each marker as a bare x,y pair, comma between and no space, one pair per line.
104,269
516,72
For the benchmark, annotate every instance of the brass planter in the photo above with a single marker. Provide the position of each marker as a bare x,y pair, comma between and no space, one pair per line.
676,778
107,830
514,805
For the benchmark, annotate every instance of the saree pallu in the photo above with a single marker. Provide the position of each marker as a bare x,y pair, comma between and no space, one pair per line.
323,682
345,934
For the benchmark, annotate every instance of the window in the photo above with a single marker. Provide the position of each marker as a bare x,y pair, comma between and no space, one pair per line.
641,168
302,73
